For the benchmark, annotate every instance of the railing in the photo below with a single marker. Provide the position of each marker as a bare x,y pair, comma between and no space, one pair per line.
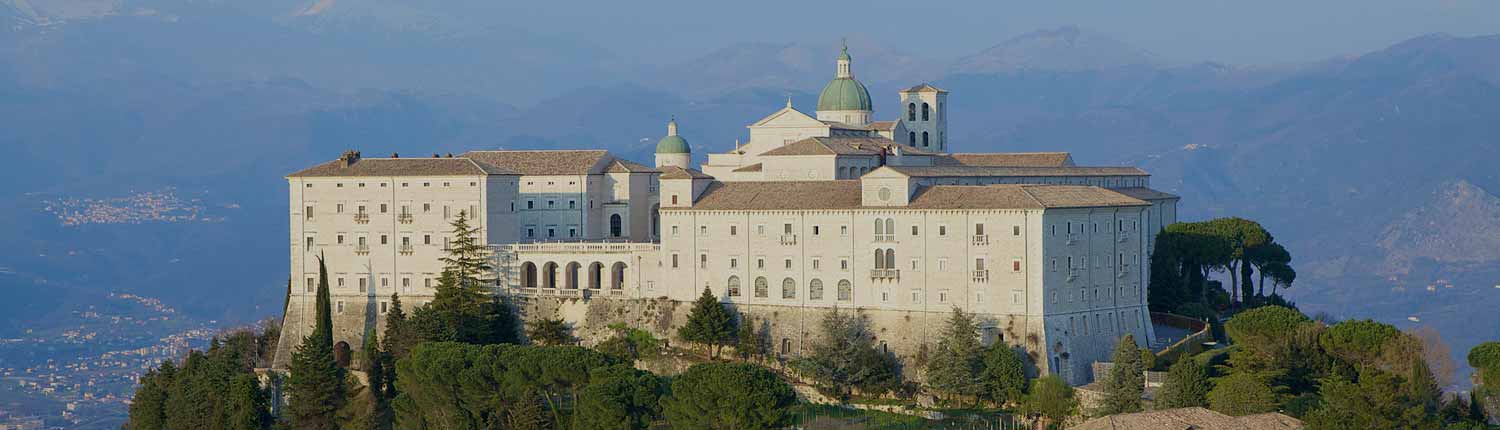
406,249
1072,239
362,249
600,247
362,218
1123,238
788,239
981,239
404,218
981,275
885,273
1072,276
1124,270
885,238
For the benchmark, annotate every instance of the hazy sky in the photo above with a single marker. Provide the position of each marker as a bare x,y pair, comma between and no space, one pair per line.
1238,31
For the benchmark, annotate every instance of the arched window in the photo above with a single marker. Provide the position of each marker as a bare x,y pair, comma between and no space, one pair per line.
924,138
614,225
879,258
912,137
911,112
846,291
734,286
890,259
890,228
761,289
879,227
788,288
815,290
924,112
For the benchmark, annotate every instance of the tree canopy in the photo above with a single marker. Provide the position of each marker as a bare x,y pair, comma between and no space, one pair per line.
844,357
1126,381
708,324
728,396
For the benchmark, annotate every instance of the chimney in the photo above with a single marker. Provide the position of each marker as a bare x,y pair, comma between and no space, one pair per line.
350,157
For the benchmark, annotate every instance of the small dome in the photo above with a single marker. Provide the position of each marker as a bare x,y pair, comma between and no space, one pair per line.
672,144
844,94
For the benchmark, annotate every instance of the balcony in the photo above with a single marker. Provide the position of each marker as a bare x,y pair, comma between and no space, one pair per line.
1124,271
362,218
981,239
788,239
1073,239
981,275
885,273
362,249
404,218
406,249
885,238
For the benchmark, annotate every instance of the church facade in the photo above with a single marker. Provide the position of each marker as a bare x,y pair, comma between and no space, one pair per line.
833,210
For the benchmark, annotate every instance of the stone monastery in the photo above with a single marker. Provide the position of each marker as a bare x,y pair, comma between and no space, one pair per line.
814,212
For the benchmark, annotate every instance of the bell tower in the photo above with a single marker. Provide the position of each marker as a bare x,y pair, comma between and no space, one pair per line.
924,113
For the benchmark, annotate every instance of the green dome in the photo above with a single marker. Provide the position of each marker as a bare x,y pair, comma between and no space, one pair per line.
844,94
672,145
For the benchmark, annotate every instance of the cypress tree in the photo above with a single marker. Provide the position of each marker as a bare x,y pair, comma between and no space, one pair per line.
247,405
1122,392
379,415
317,384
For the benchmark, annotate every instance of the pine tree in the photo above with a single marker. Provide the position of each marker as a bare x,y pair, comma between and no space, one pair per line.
708,324
317,384
1122,392
956,362
467,265
248,407
748,342
148,406
844,357
1004,373
1186,386
397,342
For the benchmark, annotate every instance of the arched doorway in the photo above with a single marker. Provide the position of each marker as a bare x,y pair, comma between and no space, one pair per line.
617,276
571,275
341,353
596,276
614,225
549,275
528,275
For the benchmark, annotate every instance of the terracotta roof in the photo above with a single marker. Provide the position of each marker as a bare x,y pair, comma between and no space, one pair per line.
1144,193
401,167
1190,419
846,194
674,172
627,166
883,125
558,162
779,195
751,168
971,171
1018,196
1007,159
924,87
841,146
846,126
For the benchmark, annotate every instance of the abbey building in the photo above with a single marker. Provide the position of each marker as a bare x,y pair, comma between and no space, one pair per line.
813,212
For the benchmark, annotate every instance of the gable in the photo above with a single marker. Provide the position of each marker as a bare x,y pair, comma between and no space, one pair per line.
789,117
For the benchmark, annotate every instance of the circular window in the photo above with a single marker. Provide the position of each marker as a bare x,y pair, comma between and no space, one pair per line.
885,194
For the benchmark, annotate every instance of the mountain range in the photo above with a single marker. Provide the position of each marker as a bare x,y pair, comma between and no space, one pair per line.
1376,169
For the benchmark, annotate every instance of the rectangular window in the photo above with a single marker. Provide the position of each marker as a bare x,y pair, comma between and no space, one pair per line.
843,264
309,243
1015,230
339,208
943,296
674,231
914,263
312,284
942,264
734,263
340,239
382,208
341,306
760,263
531,204
816,230
702,261
786,229
734,230
383,306
703,230
843,230
309,212
916,296
383,239
788,263
1015,265
674,261
979,229
426,239
942,230
914,230
760,229
815,264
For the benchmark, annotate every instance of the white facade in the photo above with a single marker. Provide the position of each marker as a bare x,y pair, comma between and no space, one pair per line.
810,214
